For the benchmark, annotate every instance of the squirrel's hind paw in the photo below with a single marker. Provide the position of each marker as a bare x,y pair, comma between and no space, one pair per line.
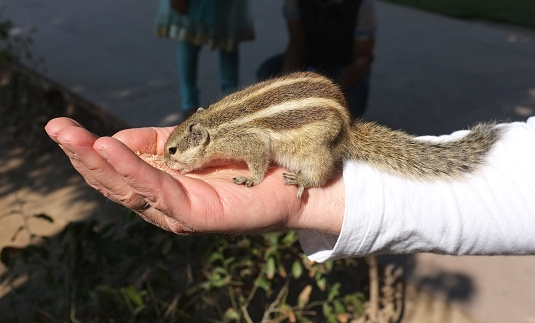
294,179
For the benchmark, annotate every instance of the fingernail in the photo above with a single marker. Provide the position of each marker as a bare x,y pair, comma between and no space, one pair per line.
102,153
51,132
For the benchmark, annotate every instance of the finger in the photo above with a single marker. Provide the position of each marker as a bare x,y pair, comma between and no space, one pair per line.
161,220
163,192
55,126
145,140
144,179
63,131
95,169
73,139
78,143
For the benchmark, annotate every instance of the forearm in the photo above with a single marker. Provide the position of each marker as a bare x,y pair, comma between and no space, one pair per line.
490,212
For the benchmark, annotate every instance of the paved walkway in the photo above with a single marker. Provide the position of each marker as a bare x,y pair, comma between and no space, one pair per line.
432,75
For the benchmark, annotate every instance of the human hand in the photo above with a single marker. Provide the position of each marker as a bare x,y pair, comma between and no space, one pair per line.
203,202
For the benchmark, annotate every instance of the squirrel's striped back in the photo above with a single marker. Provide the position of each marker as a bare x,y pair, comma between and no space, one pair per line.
282,103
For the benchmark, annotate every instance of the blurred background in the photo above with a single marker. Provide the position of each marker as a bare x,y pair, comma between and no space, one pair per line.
439,66
431,74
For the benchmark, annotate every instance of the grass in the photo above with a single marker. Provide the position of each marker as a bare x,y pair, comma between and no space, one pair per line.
513,12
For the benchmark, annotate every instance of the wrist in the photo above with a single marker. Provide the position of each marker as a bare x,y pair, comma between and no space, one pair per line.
324,208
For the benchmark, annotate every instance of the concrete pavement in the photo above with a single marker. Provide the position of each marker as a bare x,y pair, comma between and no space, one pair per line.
445,73
432,75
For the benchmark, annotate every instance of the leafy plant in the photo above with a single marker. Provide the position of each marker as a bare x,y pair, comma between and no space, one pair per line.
131,271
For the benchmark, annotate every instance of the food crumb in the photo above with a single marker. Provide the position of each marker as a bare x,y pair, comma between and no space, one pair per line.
156,161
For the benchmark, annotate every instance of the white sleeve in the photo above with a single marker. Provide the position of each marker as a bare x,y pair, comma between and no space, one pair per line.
490,212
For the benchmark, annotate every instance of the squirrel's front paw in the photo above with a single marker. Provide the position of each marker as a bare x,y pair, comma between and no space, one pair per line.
294,179
242,180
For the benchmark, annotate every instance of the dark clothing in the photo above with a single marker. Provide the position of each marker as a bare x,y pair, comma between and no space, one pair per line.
356,95
329,31
329,28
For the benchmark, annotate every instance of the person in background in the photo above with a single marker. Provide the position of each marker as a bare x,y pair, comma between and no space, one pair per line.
332,37
218,24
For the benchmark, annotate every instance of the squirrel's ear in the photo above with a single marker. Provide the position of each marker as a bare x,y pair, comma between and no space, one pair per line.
200,109
199,134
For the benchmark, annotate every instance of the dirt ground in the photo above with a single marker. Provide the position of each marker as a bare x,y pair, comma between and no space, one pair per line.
36,178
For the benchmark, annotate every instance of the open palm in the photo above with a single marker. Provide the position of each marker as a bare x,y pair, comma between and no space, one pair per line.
203,202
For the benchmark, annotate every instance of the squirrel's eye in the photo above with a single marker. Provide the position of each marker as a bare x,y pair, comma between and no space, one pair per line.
172,150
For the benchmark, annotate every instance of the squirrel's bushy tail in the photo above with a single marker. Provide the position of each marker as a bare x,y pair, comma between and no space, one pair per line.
399,153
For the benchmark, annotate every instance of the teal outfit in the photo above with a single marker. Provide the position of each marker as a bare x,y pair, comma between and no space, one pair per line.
218,24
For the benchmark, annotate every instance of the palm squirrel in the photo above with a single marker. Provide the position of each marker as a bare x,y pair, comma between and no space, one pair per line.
301,122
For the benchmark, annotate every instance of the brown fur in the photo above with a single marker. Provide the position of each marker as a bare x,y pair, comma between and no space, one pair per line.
301,122
399,153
